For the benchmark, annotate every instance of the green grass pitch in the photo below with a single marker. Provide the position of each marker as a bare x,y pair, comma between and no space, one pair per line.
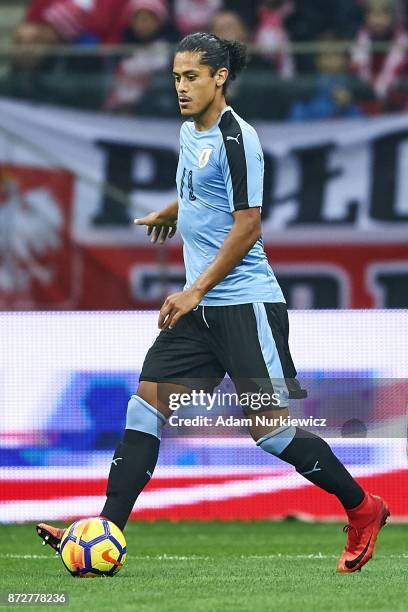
211,567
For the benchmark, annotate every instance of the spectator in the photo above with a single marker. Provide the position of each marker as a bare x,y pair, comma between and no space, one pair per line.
271,38
37,37
334,96
381,68
248,11
149,29
49,23
230,25
75,21
194,15
146,21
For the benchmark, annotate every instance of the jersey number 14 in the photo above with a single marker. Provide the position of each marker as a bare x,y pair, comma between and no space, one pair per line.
191,195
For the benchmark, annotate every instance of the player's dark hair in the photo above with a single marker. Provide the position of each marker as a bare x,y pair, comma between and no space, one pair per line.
216,52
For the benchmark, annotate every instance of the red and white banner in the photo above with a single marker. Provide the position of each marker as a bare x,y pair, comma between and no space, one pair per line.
335,211
232,495
37,261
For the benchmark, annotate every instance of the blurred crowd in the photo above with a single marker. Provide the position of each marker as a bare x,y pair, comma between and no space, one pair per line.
376,61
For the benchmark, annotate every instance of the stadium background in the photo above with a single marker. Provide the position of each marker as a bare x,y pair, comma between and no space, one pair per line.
89,140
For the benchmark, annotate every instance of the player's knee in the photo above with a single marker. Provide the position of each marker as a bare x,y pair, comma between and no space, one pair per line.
157,395
142,416
148,392
265,423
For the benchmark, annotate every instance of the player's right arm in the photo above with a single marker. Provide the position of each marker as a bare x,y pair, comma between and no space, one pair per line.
161,224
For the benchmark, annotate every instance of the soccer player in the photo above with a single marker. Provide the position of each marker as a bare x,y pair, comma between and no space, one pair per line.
231,316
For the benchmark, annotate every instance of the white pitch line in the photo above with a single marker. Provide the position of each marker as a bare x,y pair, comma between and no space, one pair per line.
165,557
31,557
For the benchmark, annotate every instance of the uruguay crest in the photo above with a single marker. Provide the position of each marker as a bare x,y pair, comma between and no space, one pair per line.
204,158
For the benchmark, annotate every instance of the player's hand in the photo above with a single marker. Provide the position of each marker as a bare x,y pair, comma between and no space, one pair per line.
158,227
177,305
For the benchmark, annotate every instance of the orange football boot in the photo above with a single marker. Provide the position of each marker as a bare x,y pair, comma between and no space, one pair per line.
50,535
365,522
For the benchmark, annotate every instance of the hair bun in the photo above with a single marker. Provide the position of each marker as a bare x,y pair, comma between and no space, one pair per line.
238,57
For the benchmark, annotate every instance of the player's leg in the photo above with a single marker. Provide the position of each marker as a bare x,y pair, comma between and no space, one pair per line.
308,453
177,358
181,355
136,456
313,458
264,357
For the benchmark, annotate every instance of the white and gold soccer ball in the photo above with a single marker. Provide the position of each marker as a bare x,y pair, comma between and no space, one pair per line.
93,547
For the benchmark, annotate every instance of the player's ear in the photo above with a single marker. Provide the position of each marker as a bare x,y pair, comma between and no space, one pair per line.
221,77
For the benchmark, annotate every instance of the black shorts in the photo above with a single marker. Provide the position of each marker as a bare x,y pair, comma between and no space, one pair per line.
249,342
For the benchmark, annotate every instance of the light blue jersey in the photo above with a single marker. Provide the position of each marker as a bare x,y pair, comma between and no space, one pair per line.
220,171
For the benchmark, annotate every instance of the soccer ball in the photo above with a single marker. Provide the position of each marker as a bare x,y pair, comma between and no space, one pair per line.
93,547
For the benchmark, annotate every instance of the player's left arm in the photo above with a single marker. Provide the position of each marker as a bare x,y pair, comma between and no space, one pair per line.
241,160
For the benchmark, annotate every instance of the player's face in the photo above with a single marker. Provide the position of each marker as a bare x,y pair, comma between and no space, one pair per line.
196,86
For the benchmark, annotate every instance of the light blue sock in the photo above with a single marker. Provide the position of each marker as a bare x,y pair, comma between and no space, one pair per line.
276,441
141,416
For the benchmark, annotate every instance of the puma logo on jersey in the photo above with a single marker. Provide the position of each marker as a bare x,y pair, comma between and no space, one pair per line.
117,459
236,138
